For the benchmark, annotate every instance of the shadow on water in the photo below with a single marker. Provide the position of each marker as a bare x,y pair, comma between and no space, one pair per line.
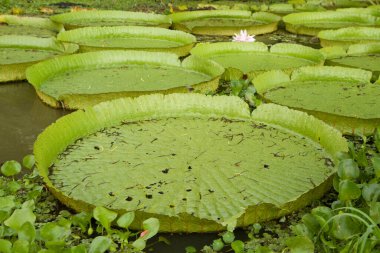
22,117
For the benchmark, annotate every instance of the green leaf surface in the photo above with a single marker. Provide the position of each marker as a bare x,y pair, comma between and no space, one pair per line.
110,18
300,244
311,23
104,216
5,246
30,26
256,57
225,22
152,225
125,220
349,35
100,244
127,37
349,96
90,78
184,188
10,168
27,232
19,217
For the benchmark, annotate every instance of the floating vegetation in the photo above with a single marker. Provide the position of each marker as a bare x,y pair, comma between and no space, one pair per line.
18,52
221,169
29,26
77,81
345,37
254,58
225,22
343,97
130,37
72,20
310,23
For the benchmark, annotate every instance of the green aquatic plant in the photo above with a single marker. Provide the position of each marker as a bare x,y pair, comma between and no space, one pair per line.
187,176
363,56
222,22
345,37
85,79
130,37
28,26
310,23
348,95
255,58
28,225
72,20
18,52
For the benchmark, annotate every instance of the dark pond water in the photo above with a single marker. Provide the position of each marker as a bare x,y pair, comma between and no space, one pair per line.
23,116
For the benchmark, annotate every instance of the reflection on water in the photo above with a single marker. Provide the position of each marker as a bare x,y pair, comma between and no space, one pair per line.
22,117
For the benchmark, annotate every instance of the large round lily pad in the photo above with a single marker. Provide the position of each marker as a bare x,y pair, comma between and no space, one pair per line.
343,97
77,81
130,37
257,57
310,23
198,163
18,52
30,26
225,22
72,20
364,56
351,35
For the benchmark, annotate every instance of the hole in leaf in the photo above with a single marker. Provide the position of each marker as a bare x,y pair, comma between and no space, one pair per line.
188,190
129,198
165,171
149,196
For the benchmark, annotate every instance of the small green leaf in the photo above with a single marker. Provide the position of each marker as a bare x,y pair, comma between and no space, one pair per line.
371,192
374,211
228,237
300,244
79,249
20,246
344,227
237,246
322,214
13,187
217,244
28,161
377,139
311,223
139,244
7,203
53,232
10,168
82,220
263,249
348,169
104,216
5,246
125,220
152,225
19,218
376,166
190,249
348,190
100,244
27,232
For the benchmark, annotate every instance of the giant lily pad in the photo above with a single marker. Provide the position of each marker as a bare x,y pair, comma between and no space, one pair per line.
364,56
372,10
130,37
198,163
310,23
256,57
77,81
31,26
225,22
18,52
343,97
72,20
347,36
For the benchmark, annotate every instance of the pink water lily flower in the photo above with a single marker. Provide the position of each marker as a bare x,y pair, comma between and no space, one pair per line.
243,36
